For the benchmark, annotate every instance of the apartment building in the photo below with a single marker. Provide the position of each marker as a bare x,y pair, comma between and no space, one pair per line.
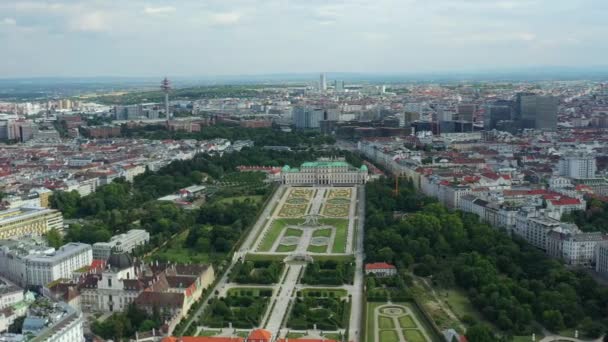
18,222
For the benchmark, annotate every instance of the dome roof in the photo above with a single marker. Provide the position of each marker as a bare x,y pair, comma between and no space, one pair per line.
120,261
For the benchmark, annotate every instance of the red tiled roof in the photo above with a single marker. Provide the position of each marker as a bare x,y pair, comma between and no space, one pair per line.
379,266
260,334
566,201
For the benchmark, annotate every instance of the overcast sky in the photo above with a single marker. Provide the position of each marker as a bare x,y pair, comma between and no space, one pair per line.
233,37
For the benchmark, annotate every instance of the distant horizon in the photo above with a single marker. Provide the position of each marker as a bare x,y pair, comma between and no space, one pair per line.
547,70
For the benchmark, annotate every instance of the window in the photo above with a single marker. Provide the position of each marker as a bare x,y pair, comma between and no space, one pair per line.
110,285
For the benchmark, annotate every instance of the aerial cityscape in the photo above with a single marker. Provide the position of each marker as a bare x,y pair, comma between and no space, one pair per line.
323,171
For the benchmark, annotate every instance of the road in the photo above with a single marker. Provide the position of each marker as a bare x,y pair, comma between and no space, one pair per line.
282,299
357,294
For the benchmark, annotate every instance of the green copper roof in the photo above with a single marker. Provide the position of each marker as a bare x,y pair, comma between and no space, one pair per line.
325,164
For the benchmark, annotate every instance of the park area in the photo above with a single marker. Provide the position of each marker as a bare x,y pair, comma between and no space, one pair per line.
396,322
242,308
312,220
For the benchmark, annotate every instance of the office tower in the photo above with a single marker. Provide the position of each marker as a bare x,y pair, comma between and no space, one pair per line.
322,82
536,111
497,112
339,86
518,104
546,113
466,111
307,117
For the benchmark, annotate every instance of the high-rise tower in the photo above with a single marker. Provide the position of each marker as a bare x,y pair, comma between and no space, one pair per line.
165,86
322,83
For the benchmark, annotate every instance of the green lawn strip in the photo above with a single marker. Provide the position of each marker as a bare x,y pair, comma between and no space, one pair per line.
343,258
295,335
385,322
264,257
285,248
274,231
388,336
341,226
243,334
317,249
253,198
293,232
208,333
334,293
406,322
369,322
326,232
460,304
333,336
426,326
413,335
247,291
175,251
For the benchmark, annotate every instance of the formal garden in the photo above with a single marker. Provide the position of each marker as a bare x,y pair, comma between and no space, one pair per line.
256,272
273,232
323,313
396,322
296,203
329,272
337,203
243,308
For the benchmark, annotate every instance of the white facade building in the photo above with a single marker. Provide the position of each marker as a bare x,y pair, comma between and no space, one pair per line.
577,166
601,258
120,243
27,264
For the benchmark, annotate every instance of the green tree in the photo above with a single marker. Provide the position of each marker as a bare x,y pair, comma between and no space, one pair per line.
54,238
480,333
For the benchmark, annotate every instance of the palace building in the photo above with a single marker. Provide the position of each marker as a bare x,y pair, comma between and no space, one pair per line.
324,172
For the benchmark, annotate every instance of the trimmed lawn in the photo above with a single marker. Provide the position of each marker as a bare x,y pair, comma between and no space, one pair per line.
274,231
339,293
295,335
285,249
322,233
460,304
333,336
253,198
388,336
317,249
208,332
175,251
293,232
247,291
385,322
406,322
414,336
341,226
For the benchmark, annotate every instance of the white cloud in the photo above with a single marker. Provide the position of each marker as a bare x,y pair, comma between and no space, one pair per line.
163,10
89,22
225,18
37,6
9,21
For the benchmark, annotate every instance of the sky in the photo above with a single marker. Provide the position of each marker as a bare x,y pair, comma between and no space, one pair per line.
70,38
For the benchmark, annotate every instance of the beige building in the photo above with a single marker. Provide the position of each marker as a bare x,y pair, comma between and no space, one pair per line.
18,222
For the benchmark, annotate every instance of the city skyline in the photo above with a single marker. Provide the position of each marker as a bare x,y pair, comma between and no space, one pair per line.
144,38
